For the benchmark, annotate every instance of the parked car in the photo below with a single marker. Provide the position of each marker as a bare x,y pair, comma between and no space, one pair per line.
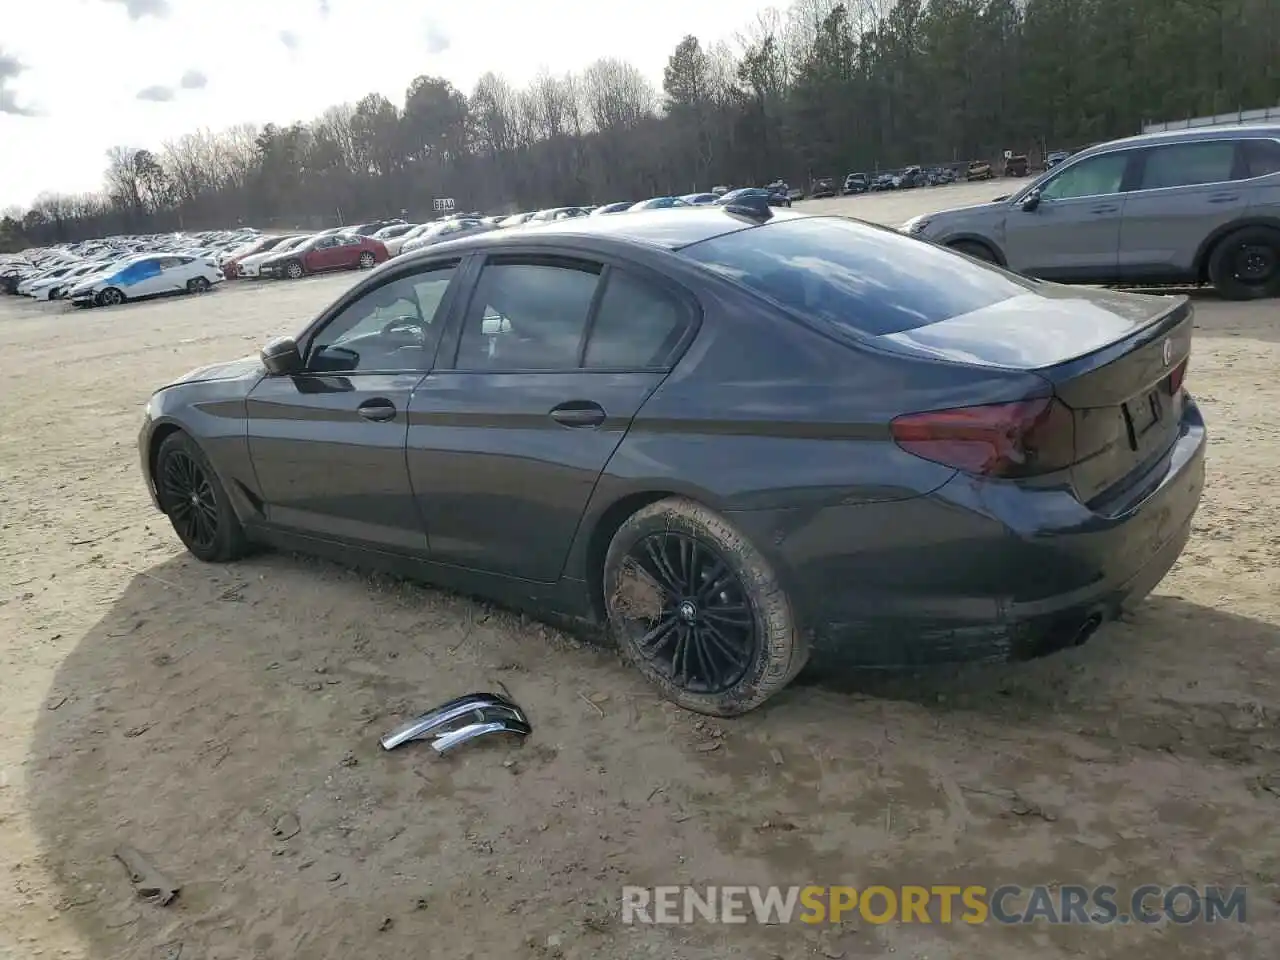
515,220
230,261
394,244
979,170
700,199
611,208
885,181
450,230
755,195
393,231
1179,207
822,187
248,268
555,213
911,177
339,251
56,287
720,190
659,203
146,276
856,183
1016,166
1055,158
984,496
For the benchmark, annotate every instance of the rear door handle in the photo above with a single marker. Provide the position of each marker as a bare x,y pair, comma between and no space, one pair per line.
578,413
1111,209
378,409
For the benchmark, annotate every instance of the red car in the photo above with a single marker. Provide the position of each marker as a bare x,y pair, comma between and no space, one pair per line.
337,251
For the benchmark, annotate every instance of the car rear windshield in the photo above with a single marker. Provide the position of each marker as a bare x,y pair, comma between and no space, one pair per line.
855,276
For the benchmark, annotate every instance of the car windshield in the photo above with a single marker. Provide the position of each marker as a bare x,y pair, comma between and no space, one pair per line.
854,276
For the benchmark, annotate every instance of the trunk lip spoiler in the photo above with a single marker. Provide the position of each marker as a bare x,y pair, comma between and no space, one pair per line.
1161,325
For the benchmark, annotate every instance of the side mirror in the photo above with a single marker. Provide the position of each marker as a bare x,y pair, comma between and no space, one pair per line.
281,357
1030,201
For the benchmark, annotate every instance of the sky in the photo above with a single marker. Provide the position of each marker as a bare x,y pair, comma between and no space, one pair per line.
80,76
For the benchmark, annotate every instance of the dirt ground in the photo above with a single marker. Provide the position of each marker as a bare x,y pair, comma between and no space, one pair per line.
184,709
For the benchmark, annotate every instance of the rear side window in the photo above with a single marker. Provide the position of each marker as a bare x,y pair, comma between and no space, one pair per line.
854,276
1189,164
528,316
636,325
1261,157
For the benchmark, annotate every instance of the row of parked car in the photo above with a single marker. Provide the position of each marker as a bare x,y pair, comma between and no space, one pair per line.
109,271
290,256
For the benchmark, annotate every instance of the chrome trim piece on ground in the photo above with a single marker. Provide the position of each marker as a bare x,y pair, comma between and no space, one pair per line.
485,712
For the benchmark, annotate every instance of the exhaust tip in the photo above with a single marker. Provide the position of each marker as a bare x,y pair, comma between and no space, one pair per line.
1087,629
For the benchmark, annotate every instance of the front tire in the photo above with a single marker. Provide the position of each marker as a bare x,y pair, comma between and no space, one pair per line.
1245,265
110,297
699,610
294,270
195,502
197,285
972,248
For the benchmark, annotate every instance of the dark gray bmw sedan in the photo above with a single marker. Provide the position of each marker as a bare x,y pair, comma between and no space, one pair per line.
729,434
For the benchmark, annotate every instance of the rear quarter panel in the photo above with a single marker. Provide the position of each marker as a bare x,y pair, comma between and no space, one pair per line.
784,429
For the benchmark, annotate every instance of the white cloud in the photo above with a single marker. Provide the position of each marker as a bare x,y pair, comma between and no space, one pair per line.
137,9
193,80
86,84
156,93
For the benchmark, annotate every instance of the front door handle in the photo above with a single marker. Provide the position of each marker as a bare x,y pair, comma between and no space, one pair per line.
578,413
1225,199
378,409
1110,209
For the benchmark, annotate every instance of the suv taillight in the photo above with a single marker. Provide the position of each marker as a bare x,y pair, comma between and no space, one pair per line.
1020,439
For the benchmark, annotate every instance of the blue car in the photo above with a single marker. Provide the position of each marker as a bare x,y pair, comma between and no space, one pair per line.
754,196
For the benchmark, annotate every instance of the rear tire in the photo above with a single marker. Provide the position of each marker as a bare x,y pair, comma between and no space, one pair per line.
367,260
195,502
699,610
1245,264
975,249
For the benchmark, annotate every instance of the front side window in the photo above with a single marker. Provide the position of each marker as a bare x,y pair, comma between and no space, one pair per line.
392,327
1189,164
528,315
1093,177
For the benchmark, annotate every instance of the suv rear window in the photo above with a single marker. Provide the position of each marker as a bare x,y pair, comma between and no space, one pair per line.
855,276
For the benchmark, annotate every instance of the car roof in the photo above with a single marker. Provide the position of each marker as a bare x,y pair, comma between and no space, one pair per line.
671,229
1234,131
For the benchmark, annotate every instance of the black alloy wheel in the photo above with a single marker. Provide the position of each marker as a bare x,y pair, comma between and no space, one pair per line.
698,610
705,637
188,498
193,498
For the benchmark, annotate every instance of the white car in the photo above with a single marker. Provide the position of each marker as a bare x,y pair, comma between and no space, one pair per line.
251,266
395,244
55,288
449,230
51,273
150,275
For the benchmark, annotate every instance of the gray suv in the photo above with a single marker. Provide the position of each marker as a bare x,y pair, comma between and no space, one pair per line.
1184,207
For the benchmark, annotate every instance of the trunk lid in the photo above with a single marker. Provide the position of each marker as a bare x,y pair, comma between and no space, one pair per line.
1115,359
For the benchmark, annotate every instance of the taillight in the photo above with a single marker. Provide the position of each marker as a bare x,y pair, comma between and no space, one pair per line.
1019,439
1177,377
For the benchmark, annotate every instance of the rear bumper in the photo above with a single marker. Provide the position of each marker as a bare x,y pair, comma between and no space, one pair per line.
981,571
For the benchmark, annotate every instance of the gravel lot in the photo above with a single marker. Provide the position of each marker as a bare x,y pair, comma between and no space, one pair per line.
183,709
